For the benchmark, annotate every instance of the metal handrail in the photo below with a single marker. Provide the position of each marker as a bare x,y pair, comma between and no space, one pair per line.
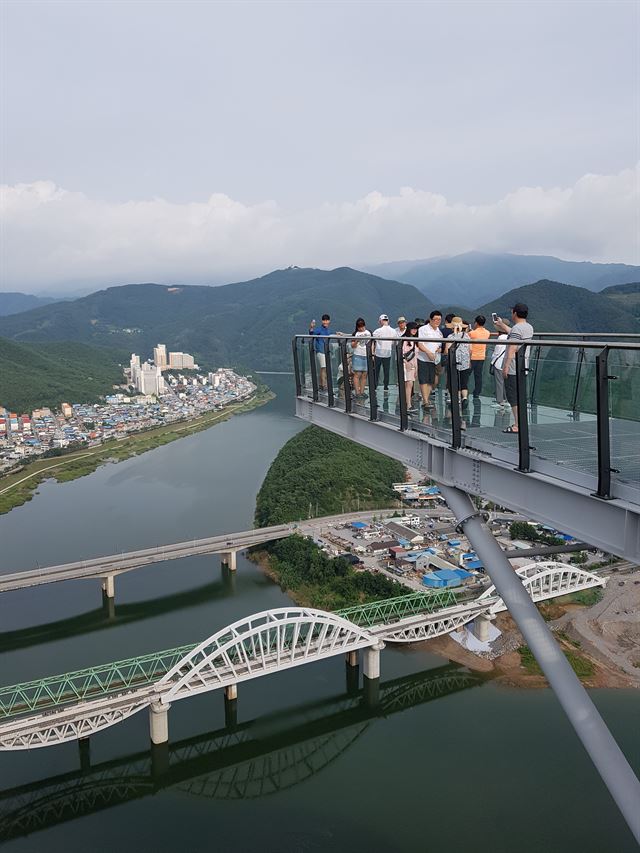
602,350
611,344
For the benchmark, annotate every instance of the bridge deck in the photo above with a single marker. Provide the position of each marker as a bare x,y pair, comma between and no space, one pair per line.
556,437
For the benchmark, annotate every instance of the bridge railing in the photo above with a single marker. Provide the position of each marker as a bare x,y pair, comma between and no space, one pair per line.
577,401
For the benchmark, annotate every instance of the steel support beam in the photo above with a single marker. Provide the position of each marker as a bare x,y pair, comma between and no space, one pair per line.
612,526
585,719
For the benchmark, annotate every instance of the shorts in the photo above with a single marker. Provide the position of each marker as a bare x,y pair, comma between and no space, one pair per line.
321,358
463,379
359,363
426,373
511,389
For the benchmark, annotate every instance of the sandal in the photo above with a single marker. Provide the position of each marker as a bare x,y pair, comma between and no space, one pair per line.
510,430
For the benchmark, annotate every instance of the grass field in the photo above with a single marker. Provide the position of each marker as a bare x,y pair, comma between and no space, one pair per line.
17,488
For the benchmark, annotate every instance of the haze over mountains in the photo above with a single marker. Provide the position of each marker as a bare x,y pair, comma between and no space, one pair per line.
476,278
14,303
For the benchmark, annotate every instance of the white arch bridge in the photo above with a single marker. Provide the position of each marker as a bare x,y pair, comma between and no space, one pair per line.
78,704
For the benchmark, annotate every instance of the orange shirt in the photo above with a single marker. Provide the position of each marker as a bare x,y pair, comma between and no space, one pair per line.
478,350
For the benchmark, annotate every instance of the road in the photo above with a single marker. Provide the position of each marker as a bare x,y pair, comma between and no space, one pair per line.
114,564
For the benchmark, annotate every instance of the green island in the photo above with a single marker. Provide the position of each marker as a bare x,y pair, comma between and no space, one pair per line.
318,473
18,487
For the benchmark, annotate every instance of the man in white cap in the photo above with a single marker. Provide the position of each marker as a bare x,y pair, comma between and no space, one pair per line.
382,338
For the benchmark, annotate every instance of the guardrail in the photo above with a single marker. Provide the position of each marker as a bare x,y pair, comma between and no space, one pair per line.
578,400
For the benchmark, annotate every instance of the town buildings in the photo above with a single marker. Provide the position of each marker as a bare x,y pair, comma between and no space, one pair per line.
161,400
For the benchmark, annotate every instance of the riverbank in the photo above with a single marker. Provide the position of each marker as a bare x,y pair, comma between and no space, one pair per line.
18,488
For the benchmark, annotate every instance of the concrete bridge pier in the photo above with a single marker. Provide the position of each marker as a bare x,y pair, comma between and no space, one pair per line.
109,586
108,606
231,691
371,661
352,658
159,722
481,627
228,559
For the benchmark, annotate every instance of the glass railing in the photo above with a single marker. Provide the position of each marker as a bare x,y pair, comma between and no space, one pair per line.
568,405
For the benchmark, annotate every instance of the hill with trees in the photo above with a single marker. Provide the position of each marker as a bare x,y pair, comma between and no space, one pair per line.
626,296
474,278
50,373
318,473
246,324
557,307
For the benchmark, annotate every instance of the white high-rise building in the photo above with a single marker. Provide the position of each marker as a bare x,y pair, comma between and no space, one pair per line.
134,365
150,381
160,356
181,361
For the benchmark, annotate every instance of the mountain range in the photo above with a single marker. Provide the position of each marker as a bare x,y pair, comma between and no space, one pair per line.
247,324
250,324
476,278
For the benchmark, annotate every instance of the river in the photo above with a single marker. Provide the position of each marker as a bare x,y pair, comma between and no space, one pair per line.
446,761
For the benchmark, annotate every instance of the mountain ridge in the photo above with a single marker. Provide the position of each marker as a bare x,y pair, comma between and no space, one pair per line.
488,275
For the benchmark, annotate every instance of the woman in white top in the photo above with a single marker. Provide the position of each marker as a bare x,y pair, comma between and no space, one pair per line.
359,357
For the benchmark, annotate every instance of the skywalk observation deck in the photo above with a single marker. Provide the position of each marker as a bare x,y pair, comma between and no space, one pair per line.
574,462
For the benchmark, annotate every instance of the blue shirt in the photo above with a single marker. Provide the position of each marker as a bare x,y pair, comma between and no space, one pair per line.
322,332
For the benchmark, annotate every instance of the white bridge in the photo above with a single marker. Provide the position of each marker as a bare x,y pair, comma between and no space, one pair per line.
77,705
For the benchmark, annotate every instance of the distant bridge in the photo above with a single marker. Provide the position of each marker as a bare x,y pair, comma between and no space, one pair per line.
107,567
78,704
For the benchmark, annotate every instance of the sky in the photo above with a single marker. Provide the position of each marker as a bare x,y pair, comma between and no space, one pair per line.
207,141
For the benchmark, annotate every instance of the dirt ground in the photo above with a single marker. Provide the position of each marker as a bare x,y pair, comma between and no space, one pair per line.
606,634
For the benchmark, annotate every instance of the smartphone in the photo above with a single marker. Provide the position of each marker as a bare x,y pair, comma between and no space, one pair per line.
494,316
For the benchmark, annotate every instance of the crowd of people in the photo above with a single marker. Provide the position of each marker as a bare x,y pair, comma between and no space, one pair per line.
426,344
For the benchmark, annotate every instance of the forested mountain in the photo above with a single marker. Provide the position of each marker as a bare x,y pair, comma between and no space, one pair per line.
626,296
47,374
250,323
14,303
556,307
478,277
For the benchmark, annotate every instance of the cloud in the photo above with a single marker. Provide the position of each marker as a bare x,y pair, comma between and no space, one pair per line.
52,237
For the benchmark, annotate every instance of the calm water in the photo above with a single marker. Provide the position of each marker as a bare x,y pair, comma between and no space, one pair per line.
442,760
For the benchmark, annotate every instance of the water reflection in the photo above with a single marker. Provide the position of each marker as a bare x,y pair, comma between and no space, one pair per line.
112,614
245,761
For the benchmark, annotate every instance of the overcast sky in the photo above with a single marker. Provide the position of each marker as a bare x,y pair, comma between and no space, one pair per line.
202,141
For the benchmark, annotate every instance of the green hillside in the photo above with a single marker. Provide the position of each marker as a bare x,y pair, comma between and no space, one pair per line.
556,307
250,323
47,374
319,473
626,297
